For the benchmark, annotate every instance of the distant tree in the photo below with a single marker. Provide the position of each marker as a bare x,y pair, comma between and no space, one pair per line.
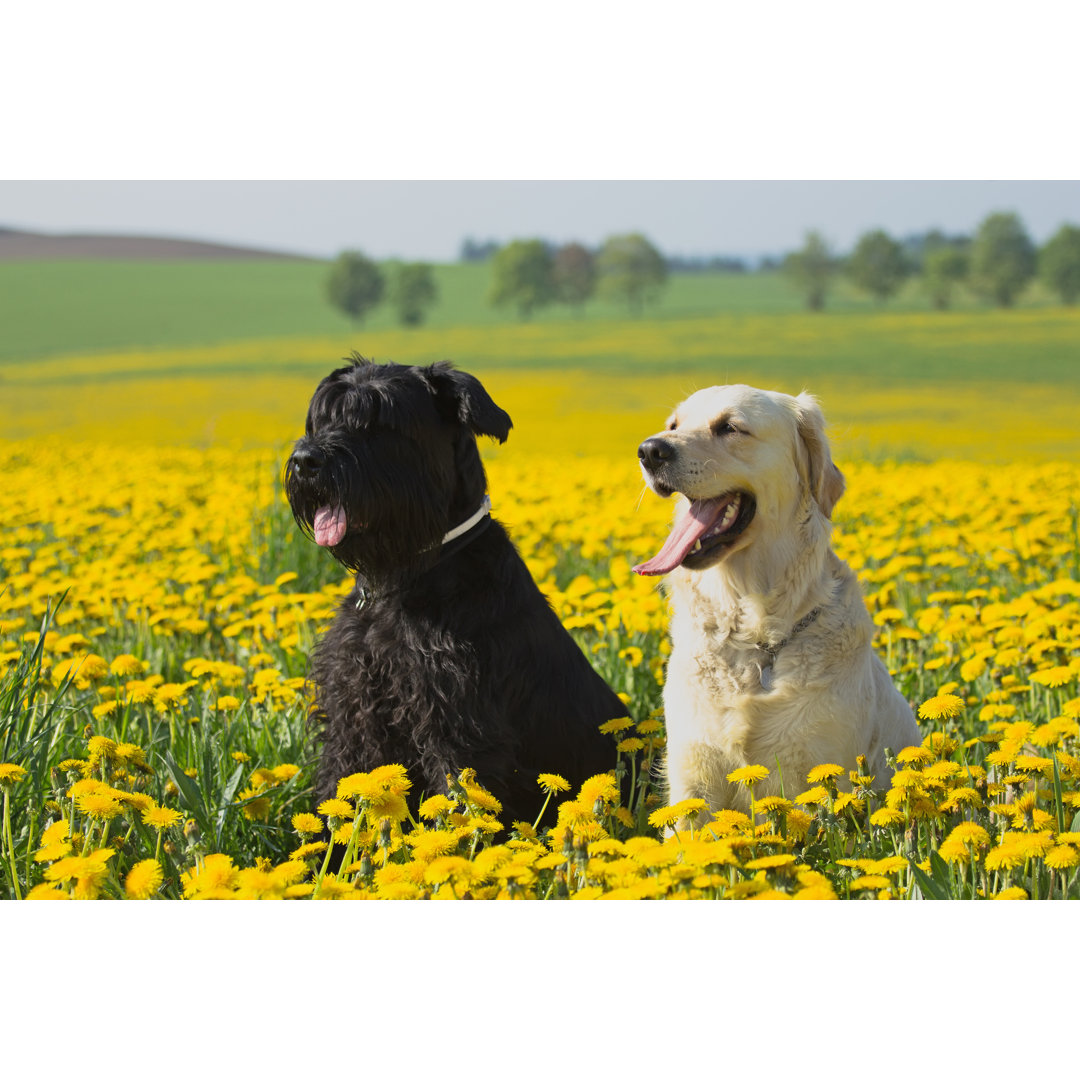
573,273
811,269
877,265
412,292
1059,263
476,251
355,285
1002,259
521,275
631,270
943,269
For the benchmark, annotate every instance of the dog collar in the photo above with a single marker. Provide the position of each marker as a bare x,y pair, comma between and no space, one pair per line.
802,624
465,526
456,538
766,670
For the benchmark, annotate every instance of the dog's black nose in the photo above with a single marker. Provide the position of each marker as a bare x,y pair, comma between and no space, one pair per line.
308,460
655,452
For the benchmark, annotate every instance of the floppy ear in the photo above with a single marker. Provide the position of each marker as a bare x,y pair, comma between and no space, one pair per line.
824,479
460,396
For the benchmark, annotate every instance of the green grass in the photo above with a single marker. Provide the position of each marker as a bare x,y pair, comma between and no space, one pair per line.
86,306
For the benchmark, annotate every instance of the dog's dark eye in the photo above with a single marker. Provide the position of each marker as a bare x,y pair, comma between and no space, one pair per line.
724,427
672,425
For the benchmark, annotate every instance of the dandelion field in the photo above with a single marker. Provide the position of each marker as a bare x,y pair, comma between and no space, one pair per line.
157,604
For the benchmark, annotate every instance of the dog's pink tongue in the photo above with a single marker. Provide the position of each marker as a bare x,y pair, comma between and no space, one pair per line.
702,515
329,526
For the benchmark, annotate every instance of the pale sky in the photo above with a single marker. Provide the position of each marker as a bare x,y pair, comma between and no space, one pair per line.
428,219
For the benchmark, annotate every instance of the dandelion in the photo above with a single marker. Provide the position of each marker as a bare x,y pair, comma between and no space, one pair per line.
941,707
552,783
306,824
820,773
1054,677
143,879
748,775
99,805
161,817
601,788
11,774
439,805
336,808
669,816
1062,857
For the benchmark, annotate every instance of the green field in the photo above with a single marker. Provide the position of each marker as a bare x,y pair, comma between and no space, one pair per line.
77,306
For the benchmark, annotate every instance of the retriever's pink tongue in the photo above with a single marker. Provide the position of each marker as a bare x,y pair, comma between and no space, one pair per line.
329,526
697,521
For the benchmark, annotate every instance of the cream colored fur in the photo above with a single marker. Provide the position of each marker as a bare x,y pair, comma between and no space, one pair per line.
828,697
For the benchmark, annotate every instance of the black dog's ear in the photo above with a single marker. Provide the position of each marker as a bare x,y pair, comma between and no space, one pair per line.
461,396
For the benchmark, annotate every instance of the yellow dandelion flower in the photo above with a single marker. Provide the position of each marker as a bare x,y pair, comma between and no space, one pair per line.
307,851
630,746
439,805
1062,857
1014,892
332,889
914,755
306,824
820,773
552,783
99,805
161,817
748,775
941,707
127,666
215,875
394,778
726,822
1054,677
848,799
887,819
449,868
143,879
815,796
613,727
336,808
11,774
771,862
1030,763
870,881
602,787
668,816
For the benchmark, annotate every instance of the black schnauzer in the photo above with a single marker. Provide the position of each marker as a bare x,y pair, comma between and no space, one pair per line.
445,655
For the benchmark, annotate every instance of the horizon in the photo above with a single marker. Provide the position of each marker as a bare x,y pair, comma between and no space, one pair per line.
431,219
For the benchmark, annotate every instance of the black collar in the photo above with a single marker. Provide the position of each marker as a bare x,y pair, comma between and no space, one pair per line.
452,542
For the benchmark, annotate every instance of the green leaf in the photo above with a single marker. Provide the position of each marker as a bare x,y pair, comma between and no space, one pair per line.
929,888
227,799
190,795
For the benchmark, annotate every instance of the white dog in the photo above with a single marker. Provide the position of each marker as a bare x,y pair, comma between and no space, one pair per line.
771,660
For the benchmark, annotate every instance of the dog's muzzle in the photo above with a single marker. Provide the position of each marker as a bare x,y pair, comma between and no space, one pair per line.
308,461
655,453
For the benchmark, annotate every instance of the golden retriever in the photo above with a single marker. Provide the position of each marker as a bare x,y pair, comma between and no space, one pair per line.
771,661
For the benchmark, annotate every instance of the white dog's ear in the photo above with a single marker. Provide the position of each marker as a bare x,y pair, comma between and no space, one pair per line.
823,478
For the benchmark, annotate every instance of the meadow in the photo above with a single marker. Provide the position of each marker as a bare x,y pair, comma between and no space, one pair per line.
157,604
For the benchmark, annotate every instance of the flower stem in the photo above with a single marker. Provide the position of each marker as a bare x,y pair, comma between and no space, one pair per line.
9,844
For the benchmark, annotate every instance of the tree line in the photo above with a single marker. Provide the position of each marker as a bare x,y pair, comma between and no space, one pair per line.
530,274
996,264
357,284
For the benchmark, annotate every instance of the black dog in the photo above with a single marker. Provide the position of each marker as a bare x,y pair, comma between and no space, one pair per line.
445,654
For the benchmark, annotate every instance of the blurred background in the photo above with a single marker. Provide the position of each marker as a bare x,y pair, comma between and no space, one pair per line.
933,317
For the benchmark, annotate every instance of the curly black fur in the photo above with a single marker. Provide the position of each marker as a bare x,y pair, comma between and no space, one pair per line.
440,658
